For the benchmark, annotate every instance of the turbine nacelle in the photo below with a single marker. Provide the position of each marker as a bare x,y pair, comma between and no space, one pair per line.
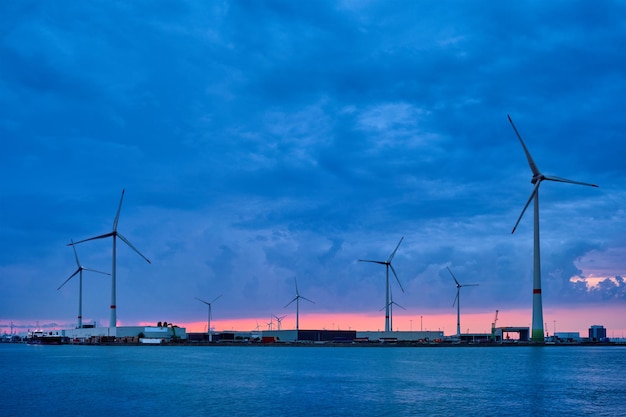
537,178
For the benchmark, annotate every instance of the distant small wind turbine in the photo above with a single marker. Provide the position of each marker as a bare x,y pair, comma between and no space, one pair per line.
391,303
279,321
537,321
388,265
297,300
79,271
210,315
457,301
115,234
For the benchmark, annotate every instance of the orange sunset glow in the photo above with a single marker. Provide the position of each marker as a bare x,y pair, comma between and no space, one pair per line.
562,320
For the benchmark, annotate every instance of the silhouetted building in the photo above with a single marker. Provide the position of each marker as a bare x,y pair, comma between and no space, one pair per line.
597,333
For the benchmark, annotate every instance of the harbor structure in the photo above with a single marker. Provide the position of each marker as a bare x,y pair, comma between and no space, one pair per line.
158,334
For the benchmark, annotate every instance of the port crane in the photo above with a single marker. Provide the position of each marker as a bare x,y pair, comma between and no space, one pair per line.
493,327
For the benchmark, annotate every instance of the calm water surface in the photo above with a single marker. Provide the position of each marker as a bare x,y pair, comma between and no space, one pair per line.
298,381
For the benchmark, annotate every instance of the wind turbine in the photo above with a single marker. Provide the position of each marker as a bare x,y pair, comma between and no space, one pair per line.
388,265
79,271
279,320
391,303
537,321
297,300
115,234
210,315
457,301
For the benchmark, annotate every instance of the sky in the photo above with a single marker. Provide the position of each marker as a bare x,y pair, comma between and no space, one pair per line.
263,142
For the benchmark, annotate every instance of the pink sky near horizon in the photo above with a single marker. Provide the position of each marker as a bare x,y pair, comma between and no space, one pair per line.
563,320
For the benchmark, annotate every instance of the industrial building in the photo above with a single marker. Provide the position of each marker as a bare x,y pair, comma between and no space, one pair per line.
318,336
137,334
566,337
597,333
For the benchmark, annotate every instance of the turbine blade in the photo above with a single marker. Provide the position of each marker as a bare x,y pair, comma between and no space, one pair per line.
393,302
132,247
294,299
93,270
216,298
469,285
202,301
394,251
531,163
117,215
456,298
91,238
559,179
71,276
375,262
532,195
453,277
396,275
75,254
296,280
310,301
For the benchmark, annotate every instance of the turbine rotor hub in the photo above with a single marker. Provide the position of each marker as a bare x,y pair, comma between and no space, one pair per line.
538,177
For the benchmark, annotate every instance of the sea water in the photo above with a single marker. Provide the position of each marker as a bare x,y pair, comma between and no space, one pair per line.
313,381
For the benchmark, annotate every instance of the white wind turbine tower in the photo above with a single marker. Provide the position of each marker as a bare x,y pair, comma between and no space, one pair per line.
79,271
457,301
537,321
388,265
210,315
297,300
115,234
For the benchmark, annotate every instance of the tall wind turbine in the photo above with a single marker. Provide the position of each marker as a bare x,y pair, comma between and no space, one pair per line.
210,315
537,322
297,300
388,265
457,301
79,271
115,234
